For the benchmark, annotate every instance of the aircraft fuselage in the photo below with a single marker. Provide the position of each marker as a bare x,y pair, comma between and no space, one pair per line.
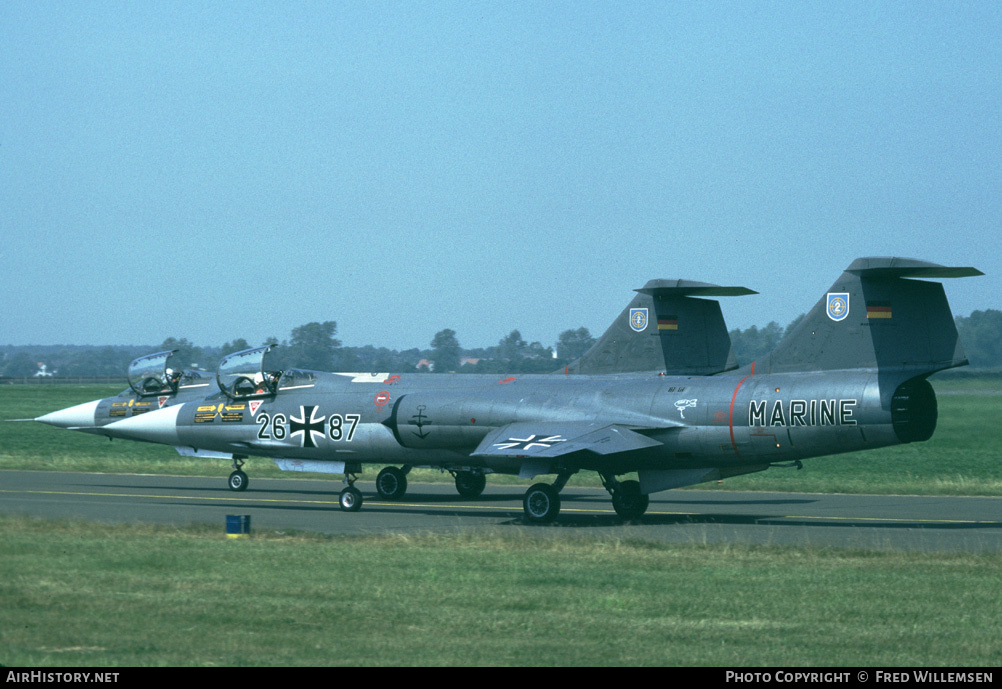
720,421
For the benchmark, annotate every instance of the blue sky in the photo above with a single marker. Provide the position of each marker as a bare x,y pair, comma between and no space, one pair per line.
233,170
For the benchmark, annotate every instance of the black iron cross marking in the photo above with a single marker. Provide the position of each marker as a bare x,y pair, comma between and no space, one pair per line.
307,427
532,441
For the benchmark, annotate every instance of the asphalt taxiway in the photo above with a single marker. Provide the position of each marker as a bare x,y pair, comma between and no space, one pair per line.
925,523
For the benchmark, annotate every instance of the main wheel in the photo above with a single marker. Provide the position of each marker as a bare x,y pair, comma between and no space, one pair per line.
350,499
541,503
470,484
391,483
238,480
628,502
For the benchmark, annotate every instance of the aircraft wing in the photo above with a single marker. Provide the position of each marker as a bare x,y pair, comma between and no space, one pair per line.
553,439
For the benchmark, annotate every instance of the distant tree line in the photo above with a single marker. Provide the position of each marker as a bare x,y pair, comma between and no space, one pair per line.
754,343
981,335
315,346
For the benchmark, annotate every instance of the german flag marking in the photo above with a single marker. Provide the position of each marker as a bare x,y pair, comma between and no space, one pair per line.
878,309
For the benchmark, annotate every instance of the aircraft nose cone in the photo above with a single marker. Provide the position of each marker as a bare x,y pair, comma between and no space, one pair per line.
158,426
80,416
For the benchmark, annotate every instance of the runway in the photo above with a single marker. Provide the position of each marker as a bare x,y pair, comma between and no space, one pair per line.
923,523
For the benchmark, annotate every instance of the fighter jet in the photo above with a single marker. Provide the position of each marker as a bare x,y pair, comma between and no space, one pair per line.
153,384
851,376
625,347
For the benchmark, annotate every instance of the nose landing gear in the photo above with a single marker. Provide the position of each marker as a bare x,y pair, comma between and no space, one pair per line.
350,498
238,479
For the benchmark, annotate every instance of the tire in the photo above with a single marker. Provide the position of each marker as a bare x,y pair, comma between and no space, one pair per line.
470,484
541,504
238,480
350,499
628,502
391,483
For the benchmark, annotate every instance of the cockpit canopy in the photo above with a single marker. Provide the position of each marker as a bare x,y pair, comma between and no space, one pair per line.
150,375
243,374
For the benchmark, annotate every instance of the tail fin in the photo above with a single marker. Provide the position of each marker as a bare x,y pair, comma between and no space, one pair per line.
876,317
666,328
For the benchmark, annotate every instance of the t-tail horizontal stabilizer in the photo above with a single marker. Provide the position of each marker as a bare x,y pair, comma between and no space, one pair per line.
668,327
876,316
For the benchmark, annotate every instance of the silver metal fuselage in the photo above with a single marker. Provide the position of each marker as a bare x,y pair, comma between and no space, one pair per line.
94,416
727,421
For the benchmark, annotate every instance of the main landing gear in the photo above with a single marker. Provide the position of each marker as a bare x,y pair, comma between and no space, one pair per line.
470,484
238,479
627,499
541,502
391,482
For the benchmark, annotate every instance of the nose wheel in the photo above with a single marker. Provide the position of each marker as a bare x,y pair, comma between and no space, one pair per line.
238,479
350,498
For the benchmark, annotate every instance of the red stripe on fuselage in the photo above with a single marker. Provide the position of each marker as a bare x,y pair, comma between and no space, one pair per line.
730,420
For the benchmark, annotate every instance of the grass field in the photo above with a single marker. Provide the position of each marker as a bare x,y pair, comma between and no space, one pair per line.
98,595
962,458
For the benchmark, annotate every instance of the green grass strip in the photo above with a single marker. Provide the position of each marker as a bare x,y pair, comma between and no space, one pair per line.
105,595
